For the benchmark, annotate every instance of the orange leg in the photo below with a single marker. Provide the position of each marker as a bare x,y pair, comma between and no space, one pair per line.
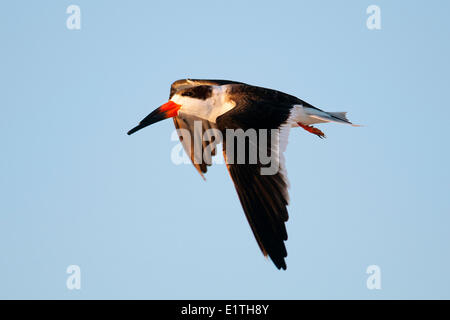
313,130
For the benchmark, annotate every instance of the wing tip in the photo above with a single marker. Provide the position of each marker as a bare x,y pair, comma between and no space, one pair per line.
280,264
278,261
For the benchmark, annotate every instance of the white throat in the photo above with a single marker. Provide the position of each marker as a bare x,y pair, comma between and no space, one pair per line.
208,109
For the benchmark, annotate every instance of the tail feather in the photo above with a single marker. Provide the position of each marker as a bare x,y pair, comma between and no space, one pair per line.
340,115
321,116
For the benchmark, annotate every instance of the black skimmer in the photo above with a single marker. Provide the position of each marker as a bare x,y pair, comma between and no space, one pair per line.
228,105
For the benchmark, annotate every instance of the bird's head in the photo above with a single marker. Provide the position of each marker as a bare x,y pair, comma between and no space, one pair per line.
192,100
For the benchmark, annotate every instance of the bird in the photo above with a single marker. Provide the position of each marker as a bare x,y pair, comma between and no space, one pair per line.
230,105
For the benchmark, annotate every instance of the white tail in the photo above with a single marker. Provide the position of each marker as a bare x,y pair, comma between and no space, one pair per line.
340,115
323,116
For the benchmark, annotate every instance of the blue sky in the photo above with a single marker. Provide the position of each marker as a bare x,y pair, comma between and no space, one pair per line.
76,190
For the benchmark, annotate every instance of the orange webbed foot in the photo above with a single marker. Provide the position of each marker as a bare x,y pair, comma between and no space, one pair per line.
313,130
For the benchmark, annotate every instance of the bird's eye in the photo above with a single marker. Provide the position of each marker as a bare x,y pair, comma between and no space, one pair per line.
187,94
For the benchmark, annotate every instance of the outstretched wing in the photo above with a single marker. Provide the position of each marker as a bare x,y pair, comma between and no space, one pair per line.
264,197
199,147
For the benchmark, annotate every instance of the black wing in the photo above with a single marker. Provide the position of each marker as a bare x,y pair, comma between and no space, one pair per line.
263,197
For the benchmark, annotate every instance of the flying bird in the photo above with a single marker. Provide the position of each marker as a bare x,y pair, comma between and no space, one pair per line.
226,105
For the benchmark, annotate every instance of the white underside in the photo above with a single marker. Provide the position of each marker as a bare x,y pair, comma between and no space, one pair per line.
284,139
